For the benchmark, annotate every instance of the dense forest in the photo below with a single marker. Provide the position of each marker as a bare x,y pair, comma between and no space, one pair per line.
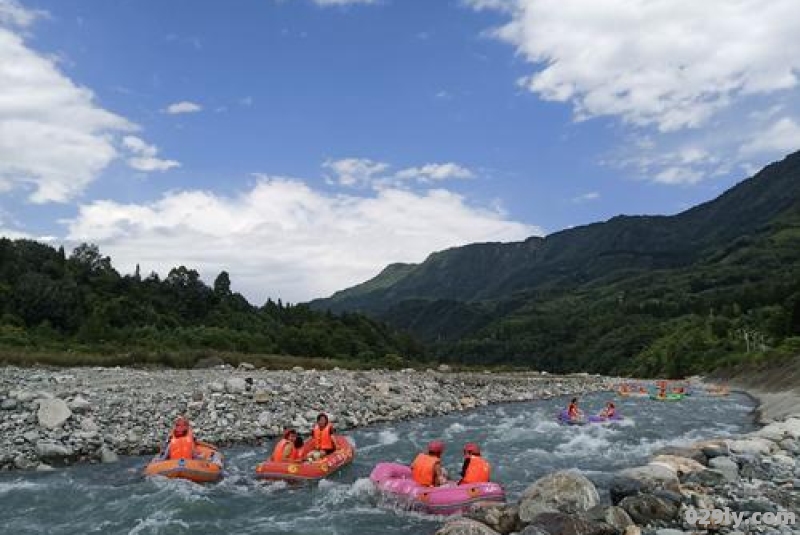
63,308
648,295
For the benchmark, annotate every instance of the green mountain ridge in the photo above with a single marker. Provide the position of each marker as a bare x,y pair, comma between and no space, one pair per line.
535,302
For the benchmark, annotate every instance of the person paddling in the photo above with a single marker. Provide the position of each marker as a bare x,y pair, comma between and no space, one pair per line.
609,411
181,442
427,467
287,450
475,469
573,412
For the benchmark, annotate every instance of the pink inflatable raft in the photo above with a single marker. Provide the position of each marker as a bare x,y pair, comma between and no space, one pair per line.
395,481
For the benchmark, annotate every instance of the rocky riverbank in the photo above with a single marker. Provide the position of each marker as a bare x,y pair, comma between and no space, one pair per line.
52,417
755,473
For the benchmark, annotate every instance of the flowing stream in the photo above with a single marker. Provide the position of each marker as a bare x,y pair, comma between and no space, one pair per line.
522,441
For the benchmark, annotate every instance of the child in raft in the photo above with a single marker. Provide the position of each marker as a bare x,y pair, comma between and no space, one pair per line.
322,435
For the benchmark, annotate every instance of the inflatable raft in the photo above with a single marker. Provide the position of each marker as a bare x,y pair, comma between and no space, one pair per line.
394,481
205,467
562,418
597,419
303,470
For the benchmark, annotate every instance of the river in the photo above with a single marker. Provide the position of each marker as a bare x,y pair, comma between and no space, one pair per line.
522,441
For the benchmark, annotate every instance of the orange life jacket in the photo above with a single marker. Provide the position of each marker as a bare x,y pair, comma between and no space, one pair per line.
423,469
182,447
478,470
277,454
323,439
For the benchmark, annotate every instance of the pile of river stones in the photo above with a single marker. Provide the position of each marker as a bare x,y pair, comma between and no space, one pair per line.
758,472
53,417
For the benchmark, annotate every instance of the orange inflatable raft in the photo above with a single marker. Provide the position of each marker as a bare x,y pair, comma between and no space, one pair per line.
206,467
303,470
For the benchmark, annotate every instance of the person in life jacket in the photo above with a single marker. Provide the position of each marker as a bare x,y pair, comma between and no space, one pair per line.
573,412
475,469
322,435
609,411
427,467
287,450
181,441
662,390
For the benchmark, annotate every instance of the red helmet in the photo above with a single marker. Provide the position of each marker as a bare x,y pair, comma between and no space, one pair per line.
436,447
472,449
289,432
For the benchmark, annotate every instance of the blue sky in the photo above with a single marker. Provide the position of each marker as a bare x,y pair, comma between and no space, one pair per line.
303,146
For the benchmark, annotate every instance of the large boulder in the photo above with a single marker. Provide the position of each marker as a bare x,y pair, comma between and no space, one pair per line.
645,509
654,476
53,413
108,456
503,518
465,526
564,491
570,524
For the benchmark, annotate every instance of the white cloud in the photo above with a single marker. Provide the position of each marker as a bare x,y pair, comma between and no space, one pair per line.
668,63
355,172
586,197
283,238
144,157
183,106
55,139
782,137
363,172
435,172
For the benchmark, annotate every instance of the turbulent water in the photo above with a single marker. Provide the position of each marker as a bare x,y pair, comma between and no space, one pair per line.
522,441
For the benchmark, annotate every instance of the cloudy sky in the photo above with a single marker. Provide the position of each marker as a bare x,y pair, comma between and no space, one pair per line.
304,144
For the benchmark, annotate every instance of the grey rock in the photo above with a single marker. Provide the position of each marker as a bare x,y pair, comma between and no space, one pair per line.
261,396
564,491
622,487
708,478
53,413
235,385
465,526
725,466
108,456
502,518
52,450
645,509
534,530
670,532
79,405
44,467
614,516
570,524
716,450
653,476
31,436
8,404
696,454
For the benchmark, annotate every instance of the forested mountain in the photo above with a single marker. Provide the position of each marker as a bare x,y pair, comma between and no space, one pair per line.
645,294
80,303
